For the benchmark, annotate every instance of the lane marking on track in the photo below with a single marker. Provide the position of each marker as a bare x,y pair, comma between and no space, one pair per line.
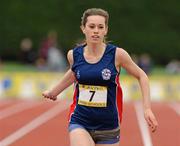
142,124
43,118
175,107
17,108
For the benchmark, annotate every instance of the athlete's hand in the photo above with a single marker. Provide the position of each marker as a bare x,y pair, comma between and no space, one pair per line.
48,94
151,120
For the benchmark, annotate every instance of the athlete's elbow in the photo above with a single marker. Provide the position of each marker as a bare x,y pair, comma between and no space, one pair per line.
142,76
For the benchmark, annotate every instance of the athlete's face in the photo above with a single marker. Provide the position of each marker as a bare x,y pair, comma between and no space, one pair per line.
95,29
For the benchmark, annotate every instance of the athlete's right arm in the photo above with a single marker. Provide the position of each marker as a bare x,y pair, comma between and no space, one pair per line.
65,82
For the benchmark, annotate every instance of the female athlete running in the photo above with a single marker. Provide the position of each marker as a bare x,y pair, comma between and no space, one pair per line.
96,112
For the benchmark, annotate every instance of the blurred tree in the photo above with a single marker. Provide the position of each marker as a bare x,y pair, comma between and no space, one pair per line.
139,26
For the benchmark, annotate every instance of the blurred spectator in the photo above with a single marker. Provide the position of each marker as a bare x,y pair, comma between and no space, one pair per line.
51,40
41,64
27,55
173,67
145,63
50,54
56,60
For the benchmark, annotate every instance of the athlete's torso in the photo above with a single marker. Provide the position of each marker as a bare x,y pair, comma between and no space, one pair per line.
98,96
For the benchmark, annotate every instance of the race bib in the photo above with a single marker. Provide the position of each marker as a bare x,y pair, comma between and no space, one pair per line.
94,96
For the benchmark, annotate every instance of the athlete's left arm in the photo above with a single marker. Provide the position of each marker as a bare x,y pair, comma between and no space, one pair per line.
124,60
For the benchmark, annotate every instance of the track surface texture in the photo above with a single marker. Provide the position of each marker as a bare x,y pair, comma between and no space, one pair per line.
44,123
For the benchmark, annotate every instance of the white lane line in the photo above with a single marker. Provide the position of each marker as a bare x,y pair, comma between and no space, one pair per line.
143,125
43,118
17,108
175,107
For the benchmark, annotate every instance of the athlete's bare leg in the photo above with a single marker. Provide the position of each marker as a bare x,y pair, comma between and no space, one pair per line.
80,137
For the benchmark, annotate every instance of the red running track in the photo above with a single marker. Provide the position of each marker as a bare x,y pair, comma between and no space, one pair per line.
44,123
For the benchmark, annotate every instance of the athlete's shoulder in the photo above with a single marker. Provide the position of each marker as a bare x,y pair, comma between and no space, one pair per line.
78,47
70,57
121,52
122,56
77,51
110,45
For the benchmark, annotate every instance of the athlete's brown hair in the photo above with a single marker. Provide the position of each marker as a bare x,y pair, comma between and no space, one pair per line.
92,12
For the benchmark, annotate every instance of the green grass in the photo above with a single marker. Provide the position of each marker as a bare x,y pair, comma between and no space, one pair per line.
158,70
15,66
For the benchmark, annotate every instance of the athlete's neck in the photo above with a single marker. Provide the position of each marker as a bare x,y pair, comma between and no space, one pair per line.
95,49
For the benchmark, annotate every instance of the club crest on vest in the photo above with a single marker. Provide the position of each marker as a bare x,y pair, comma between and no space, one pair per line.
106,74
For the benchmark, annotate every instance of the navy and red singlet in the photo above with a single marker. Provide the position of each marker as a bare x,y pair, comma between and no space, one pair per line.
97,101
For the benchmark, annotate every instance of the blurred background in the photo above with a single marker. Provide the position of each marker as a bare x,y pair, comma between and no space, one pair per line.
36,35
